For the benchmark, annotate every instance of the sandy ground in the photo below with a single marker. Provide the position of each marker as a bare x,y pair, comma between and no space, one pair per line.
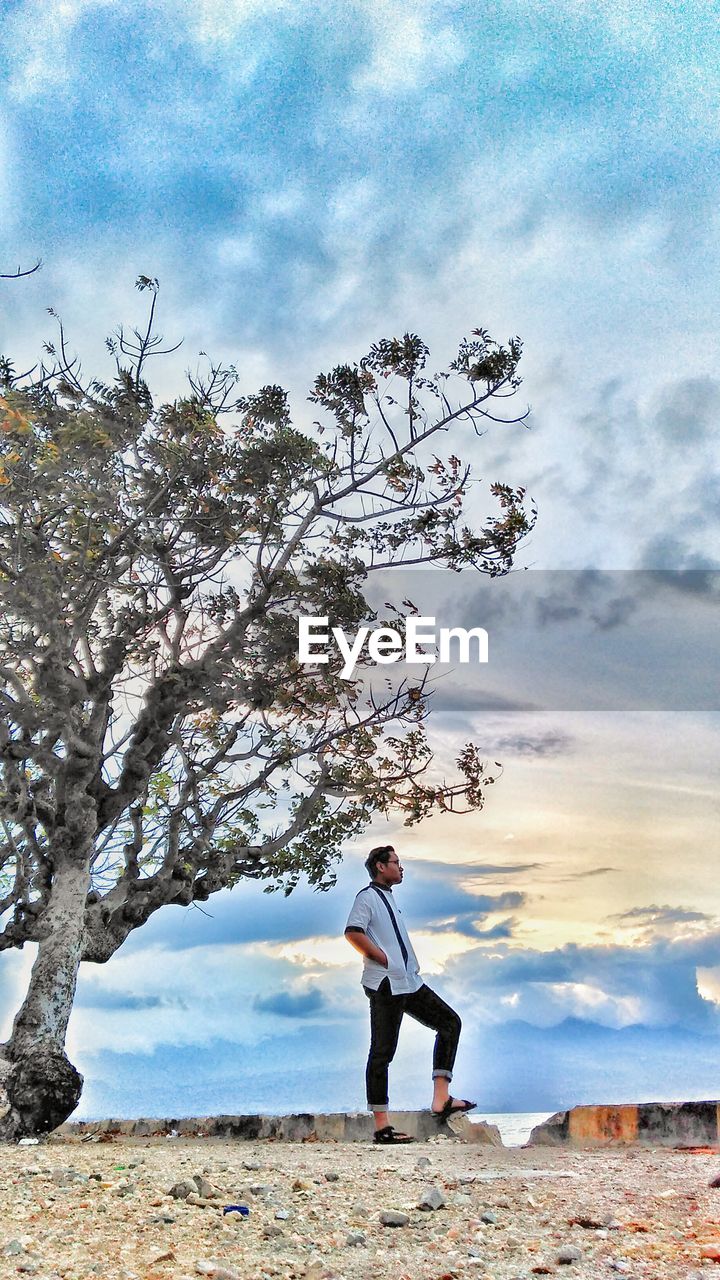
76,1209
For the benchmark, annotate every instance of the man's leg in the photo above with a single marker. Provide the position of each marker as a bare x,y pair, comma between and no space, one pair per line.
426,1007
386,1012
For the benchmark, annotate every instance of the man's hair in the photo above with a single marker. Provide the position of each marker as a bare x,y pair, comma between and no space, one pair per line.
380,853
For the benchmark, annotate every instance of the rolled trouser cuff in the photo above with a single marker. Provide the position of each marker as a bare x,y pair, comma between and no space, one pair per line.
441,1072
378,1106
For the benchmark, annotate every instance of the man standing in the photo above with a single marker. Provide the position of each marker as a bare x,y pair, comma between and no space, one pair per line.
393,985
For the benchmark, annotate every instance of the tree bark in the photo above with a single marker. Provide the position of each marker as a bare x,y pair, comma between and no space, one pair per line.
41,1084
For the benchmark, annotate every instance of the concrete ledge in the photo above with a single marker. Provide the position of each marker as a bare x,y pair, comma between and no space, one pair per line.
339,1126
665,1124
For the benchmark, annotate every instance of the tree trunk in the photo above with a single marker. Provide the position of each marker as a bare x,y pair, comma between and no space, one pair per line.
42,1085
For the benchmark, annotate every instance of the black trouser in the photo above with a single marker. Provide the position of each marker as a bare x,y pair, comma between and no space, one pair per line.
386,1014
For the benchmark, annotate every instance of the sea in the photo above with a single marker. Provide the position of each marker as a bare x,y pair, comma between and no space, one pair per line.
515,1126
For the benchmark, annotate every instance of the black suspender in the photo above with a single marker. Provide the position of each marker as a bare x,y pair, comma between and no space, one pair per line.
403,948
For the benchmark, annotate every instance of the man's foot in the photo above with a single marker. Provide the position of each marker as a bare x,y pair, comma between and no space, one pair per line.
453,1106
388,1135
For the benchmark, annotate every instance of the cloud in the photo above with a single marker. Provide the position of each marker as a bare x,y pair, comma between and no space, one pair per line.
550,743
94,997
471,926
472,923
655,983
247,915
438,897
663,915
142,1001
675,525
243,915
674,923
242,993
594,871
165,988
451,702
290,1004
694,569
615,612
14,977
41,37
410,49
695,582
338,226
218,23
604,599
689,411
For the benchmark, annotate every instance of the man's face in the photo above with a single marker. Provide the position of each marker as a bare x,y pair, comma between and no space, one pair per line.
391,872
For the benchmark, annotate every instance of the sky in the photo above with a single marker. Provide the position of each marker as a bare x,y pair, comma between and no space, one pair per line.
304,179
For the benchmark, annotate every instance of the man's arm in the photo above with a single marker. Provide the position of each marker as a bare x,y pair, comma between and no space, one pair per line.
360,941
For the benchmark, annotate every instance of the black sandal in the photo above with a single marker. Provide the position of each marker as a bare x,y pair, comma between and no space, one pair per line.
389,1135
453,1110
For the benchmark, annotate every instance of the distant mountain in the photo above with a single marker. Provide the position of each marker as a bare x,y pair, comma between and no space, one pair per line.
513,1066
528,1068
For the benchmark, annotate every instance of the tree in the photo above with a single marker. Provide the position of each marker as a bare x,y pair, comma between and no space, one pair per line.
159,738
20,272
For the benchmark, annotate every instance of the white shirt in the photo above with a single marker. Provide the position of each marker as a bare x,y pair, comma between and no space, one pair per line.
375,913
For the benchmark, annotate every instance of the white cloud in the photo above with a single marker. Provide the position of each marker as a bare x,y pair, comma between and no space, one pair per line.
16,966
284,202
435,949
237,251
157,996
218,22
708,983
583,1000
409,48
40,45
40,36
308,953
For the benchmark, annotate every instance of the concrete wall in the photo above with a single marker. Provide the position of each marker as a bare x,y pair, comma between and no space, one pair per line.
302,1127
667,1124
